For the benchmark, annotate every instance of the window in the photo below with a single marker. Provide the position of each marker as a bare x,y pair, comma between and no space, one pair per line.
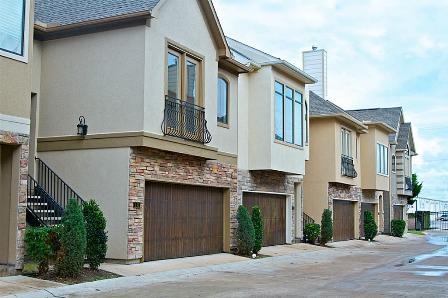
394,164
183,76
223,101
288,114
346,142
306,123
13,28
382,159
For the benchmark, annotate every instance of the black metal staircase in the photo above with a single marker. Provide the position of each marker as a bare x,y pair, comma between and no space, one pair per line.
47,196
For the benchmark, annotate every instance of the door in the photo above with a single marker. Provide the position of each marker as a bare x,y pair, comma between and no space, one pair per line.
366,207
273,209
343,220
182,221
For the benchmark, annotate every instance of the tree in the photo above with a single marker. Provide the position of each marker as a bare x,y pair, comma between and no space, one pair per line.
416,189
73,241
257,221
96,234
326,233
370,226
245,233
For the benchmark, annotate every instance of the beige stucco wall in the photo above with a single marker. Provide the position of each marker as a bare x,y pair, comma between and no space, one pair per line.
99,76
258,148
103,175
15,80
370,178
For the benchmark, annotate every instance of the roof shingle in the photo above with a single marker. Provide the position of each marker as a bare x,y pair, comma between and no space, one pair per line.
403,135
67,12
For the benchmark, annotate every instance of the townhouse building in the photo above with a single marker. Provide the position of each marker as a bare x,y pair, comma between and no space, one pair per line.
397,162
16,42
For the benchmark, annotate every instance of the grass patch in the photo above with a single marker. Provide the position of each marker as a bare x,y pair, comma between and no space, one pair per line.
420,233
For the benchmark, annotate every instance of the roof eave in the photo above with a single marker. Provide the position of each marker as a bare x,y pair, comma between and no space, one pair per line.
361,128
292,71
380,124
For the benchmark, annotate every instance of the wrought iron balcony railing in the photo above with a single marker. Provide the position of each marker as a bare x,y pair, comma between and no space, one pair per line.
185,120
408,183
348,167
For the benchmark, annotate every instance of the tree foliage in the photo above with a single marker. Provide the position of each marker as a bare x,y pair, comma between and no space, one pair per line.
96,234
73,241
257,221
312,232
370,226
245,233
326,233
37,247
416,186
398,226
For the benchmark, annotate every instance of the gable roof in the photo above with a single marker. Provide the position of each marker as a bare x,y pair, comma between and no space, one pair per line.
67,12
250,55
389,116
320,107
403,135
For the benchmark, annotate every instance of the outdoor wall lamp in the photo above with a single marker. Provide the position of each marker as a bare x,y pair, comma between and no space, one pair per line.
82,127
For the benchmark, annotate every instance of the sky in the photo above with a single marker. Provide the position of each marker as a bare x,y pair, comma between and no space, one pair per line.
383,53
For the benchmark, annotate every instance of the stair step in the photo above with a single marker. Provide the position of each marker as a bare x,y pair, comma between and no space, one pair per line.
37,204
44,210
33,197
51,218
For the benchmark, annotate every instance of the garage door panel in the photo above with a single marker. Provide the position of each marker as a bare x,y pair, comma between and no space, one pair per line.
343,220
182,221
273,208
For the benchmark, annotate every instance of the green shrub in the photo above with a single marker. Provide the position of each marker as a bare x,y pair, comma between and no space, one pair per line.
326,234
370,226
73,241
245,233
312,232
398,226
96,234
37,247
257,221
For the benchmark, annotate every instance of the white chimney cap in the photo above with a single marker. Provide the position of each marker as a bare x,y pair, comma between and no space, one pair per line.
314,47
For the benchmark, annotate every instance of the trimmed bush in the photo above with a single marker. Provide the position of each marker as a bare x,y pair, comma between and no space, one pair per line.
96,234
326,233
370,226
311,232
398,226
257,221
38,248
73,241
245,233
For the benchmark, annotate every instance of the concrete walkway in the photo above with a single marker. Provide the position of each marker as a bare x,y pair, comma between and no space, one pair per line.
11,285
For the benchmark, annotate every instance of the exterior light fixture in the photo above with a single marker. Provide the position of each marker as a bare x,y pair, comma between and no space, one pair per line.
82,127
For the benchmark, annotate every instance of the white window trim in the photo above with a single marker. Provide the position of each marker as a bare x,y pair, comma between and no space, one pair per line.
26,37
344,132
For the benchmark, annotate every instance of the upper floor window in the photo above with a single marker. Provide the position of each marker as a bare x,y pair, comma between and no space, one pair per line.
382,159
288,115
13,27
306,123
223,101
394,163
346,142
183,76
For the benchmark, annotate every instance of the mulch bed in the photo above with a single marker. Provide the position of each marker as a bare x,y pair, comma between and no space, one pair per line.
86,275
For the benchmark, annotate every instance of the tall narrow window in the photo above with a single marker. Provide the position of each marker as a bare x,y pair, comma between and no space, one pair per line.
289,115
279,111
173,76
223,101
306,123
191,82
382,159
394,164
346,142
12,26
298,119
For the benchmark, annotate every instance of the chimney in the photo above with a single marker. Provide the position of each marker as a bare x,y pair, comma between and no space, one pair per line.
315,64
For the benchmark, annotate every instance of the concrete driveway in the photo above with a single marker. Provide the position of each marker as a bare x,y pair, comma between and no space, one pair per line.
392,267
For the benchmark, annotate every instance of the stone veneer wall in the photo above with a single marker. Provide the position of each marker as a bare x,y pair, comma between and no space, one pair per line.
148,164
8,138
341,191
271,181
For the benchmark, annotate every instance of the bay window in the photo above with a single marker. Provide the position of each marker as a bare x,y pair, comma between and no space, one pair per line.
288,117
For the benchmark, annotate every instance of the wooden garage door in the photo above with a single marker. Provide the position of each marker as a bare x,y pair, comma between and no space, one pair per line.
273,208
365,207
182,221
343,220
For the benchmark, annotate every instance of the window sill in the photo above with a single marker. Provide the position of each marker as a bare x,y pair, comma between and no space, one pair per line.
288,144
223,125
384,175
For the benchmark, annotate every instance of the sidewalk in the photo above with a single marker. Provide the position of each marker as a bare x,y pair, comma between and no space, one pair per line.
11,285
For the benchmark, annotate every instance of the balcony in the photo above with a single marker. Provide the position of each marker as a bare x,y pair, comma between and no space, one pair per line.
185,120
348,167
